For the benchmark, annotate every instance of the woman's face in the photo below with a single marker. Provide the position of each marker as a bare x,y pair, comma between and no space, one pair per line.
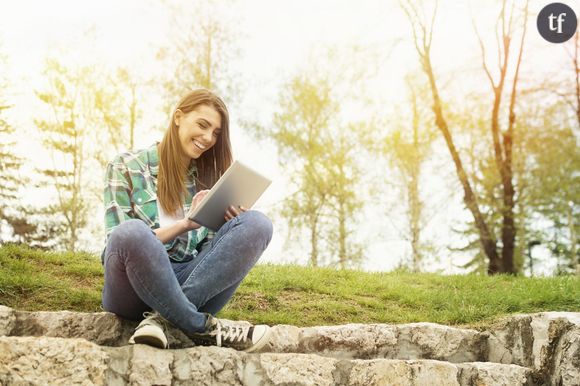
198,130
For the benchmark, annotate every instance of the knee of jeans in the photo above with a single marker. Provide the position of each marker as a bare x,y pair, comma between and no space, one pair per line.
260,223
128,232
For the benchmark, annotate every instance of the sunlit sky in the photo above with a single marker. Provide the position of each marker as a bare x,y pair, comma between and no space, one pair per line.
276,39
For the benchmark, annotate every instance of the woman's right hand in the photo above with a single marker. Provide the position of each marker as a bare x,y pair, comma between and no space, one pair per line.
199,196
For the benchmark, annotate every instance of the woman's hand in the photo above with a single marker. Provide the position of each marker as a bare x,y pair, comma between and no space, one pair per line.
233,212
199,196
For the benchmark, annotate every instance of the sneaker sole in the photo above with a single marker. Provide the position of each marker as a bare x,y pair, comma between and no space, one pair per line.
149,336
261,343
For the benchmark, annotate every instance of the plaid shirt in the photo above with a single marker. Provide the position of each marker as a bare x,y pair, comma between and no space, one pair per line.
131,193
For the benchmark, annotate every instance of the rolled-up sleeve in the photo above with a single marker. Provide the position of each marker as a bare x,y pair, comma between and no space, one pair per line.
116,195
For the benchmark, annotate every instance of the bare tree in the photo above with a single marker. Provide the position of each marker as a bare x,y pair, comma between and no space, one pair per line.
502,140
571,222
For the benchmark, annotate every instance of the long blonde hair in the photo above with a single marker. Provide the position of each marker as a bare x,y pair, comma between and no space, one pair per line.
210,165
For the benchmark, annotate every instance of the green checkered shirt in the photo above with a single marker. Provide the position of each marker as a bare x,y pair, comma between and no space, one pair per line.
131,193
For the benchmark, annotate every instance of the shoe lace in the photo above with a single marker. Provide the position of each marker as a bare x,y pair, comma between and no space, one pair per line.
157,318
227,331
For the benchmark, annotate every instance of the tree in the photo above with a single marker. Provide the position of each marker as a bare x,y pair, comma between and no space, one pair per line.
408,149
127,82
74,137
200,53
344,179
10,163
553,159
316,150
572,223
299,133
502,140
118,110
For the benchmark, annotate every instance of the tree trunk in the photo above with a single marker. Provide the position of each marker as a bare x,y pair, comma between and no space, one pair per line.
133,117
487,241
414,201
573,239
342,236
314,243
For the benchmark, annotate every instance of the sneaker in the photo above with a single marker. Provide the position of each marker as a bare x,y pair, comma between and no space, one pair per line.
239,335
151,331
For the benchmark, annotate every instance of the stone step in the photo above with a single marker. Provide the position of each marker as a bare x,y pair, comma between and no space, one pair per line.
548,343
366,341
48,360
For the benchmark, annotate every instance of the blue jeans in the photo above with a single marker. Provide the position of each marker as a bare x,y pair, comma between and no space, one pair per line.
139,275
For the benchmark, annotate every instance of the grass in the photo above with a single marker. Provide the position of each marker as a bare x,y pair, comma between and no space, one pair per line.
289,294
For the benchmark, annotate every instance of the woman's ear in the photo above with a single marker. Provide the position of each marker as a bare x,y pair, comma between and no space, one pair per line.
177,117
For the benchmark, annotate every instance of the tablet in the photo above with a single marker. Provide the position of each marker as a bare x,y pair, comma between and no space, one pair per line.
238,186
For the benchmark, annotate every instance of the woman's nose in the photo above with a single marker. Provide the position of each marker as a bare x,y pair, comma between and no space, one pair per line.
207,137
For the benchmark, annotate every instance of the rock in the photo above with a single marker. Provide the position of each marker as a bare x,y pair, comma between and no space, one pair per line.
295,369
7,320
56,361
364,341
284,338
102,328
150,366
546,342
47,360
397,372
489,374
208,366
564,368
349,341
434,341
90,348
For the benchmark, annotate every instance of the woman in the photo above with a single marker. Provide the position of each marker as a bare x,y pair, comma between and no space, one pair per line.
158,260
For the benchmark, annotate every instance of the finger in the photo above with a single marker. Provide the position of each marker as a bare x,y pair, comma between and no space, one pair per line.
200,196
243,208
201,193
234,211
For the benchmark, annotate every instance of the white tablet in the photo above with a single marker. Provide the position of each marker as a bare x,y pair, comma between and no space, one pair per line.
238,186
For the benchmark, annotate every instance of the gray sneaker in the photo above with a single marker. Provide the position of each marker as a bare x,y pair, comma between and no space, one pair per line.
151,331
239,335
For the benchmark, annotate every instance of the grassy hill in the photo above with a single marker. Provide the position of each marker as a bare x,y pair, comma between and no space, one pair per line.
36,280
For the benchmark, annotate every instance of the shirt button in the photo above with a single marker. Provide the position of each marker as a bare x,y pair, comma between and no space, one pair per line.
138,200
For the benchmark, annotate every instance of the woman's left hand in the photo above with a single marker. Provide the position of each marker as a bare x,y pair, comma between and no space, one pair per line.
233,212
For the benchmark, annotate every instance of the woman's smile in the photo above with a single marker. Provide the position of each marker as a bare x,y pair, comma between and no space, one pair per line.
199,145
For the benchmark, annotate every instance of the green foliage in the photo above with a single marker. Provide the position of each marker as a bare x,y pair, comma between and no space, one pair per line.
551,183
81,104
12,213
34,280
408,148
317,151
199,54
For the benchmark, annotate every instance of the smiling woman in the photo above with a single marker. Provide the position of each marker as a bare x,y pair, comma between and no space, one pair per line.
200,117
158,260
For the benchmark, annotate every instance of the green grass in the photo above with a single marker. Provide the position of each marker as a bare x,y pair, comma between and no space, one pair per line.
289,294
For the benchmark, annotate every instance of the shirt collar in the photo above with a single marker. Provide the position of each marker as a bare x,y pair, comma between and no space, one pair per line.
153,156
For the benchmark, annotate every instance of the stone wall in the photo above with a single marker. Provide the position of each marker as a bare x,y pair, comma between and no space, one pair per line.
90,348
